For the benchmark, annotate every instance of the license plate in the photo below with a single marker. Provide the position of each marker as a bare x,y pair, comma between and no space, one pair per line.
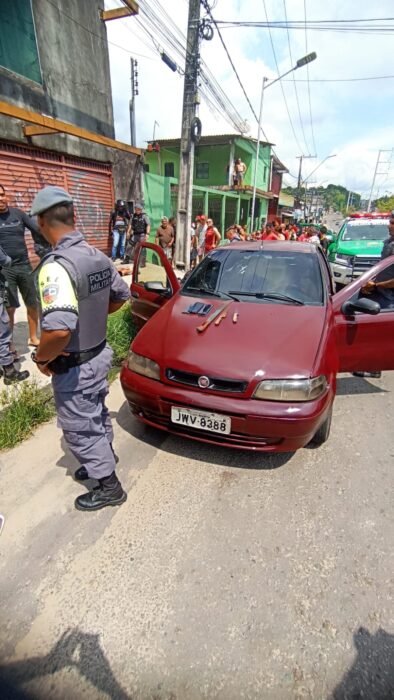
202,420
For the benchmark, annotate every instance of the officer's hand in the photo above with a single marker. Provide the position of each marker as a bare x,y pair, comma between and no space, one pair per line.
44,369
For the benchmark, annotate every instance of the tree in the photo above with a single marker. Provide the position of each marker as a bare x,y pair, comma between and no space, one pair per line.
385,203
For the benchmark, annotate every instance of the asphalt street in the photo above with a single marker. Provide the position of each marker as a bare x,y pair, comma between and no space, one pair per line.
225,575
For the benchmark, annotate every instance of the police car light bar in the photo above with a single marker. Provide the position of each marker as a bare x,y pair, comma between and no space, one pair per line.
370,215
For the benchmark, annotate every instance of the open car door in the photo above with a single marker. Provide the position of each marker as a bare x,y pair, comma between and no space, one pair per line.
153,282
365,322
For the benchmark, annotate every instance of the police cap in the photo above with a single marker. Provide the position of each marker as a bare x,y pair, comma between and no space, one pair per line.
49,197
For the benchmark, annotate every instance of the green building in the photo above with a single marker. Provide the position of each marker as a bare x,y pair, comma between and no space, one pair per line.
213,191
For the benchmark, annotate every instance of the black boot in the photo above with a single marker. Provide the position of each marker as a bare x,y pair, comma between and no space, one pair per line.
81,473
109,493
12,375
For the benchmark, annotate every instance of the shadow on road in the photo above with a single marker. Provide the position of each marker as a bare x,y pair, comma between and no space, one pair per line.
183,447
349,386
75,649
372,675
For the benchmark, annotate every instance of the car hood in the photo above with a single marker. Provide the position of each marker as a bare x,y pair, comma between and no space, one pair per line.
360,248
268,340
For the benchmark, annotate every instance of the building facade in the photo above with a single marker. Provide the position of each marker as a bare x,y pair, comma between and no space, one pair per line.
54,68
214,193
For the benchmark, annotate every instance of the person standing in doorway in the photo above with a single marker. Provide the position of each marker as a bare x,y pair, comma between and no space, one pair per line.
119,228
239,172
13,223
77,288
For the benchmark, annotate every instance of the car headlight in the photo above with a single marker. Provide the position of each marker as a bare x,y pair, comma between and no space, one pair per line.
143,365
344,259
291,389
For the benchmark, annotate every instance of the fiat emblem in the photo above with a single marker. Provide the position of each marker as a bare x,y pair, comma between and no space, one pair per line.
203,382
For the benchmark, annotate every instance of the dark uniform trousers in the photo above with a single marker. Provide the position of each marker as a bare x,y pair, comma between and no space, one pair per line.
83,416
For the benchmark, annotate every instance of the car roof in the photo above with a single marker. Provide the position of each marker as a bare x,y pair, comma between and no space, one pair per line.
282,246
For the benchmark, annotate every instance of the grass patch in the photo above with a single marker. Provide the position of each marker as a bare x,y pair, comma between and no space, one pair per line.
22,408
121,330
25,406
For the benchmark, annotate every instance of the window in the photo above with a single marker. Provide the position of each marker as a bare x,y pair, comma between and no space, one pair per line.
151,269
18,45
169,170
259,276
202,171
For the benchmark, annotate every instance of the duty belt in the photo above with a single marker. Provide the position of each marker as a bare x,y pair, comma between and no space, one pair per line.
62,363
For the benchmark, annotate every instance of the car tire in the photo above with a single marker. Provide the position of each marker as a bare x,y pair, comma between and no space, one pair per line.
323,433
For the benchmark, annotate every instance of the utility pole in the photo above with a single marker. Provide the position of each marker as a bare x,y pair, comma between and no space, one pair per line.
299,181
190,100
378,163
134,92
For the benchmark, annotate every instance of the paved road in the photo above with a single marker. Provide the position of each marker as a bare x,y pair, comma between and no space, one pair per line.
225,575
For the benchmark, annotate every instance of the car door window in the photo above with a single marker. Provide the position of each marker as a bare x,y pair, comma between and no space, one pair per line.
150,268
384,297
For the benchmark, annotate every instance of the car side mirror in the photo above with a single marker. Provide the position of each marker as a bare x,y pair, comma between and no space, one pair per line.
363,305
156,288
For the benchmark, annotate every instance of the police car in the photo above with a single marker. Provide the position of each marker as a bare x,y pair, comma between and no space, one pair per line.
358,246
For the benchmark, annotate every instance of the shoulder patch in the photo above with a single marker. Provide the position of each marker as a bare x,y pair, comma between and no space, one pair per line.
56,291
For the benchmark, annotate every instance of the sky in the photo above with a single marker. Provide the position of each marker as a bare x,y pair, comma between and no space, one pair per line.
353,120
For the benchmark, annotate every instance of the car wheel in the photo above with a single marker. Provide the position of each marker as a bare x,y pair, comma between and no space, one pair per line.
323,433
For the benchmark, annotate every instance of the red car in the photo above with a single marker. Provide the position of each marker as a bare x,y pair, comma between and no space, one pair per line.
261,374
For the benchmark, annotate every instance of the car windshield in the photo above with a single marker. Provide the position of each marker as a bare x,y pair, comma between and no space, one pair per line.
259,276
365,232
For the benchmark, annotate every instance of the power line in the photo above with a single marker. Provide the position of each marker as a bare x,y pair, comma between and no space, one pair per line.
341,80
294,82
280,83
160,23
308,83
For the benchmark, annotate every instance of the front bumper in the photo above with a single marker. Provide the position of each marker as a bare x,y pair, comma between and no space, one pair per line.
343,274
266,426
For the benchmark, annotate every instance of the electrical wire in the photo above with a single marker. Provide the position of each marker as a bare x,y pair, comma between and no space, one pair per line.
294,83
342,80
308,84
153,18
280,83
352,25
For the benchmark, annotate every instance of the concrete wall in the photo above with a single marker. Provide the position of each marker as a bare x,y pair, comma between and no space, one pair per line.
73,52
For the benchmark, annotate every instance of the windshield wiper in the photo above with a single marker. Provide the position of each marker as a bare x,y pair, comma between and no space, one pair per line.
202,291
270,295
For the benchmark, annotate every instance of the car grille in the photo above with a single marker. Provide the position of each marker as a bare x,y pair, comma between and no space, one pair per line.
215,384
363,263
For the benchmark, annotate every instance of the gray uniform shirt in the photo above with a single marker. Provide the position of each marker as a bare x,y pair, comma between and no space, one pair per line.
60,291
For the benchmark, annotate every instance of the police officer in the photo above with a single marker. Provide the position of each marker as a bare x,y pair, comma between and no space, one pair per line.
140,230
7,367
77,287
